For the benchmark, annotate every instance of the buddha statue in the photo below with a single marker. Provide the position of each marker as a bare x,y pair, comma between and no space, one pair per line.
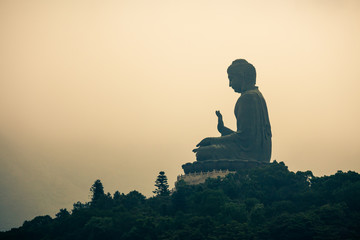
252,139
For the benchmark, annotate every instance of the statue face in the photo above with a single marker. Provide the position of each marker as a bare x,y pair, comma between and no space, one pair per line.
236,82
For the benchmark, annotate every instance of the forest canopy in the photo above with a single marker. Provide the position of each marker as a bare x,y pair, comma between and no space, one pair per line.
270,202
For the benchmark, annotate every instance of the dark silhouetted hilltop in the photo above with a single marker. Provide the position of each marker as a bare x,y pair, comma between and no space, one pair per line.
269,202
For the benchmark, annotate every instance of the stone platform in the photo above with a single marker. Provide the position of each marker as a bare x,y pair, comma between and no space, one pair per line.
232,165
200,177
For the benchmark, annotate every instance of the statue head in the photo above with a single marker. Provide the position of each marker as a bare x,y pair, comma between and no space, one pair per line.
242,75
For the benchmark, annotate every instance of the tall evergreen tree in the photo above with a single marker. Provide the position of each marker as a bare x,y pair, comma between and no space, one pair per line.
97,190
161,184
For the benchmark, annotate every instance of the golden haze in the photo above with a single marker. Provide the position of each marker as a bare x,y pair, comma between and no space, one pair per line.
119,90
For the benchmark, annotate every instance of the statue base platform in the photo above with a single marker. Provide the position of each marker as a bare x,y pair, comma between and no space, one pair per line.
232,165
200,177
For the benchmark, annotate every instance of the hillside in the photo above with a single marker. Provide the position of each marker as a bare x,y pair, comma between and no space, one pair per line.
264,203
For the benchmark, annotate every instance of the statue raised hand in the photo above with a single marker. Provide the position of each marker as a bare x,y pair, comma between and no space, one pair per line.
221,128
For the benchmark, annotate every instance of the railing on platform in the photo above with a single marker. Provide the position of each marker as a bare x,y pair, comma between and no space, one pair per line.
225,172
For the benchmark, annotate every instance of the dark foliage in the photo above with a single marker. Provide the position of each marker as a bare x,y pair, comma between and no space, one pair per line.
265,203
161,184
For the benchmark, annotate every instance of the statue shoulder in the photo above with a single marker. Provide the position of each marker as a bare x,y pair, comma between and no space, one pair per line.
249,96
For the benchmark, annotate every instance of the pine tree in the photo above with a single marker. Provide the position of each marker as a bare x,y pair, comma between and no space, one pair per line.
97,190
162,185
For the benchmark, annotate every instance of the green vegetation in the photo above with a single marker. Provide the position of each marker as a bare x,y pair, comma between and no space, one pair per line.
162,186
264,203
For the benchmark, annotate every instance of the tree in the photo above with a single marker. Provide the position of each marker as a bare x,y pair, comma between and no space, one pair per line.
162,185
117,195
64,213
97,190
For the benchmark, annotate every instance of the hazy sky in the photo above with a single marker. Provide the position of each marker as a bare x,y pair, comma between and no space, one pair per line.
120,90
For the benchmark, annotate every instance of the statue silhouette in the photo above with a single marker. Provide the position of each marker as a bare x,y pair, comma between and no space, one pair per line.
252,138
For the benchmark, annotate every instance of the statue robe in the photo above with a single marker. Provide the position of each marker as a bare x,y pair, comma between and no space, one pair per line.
252,140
